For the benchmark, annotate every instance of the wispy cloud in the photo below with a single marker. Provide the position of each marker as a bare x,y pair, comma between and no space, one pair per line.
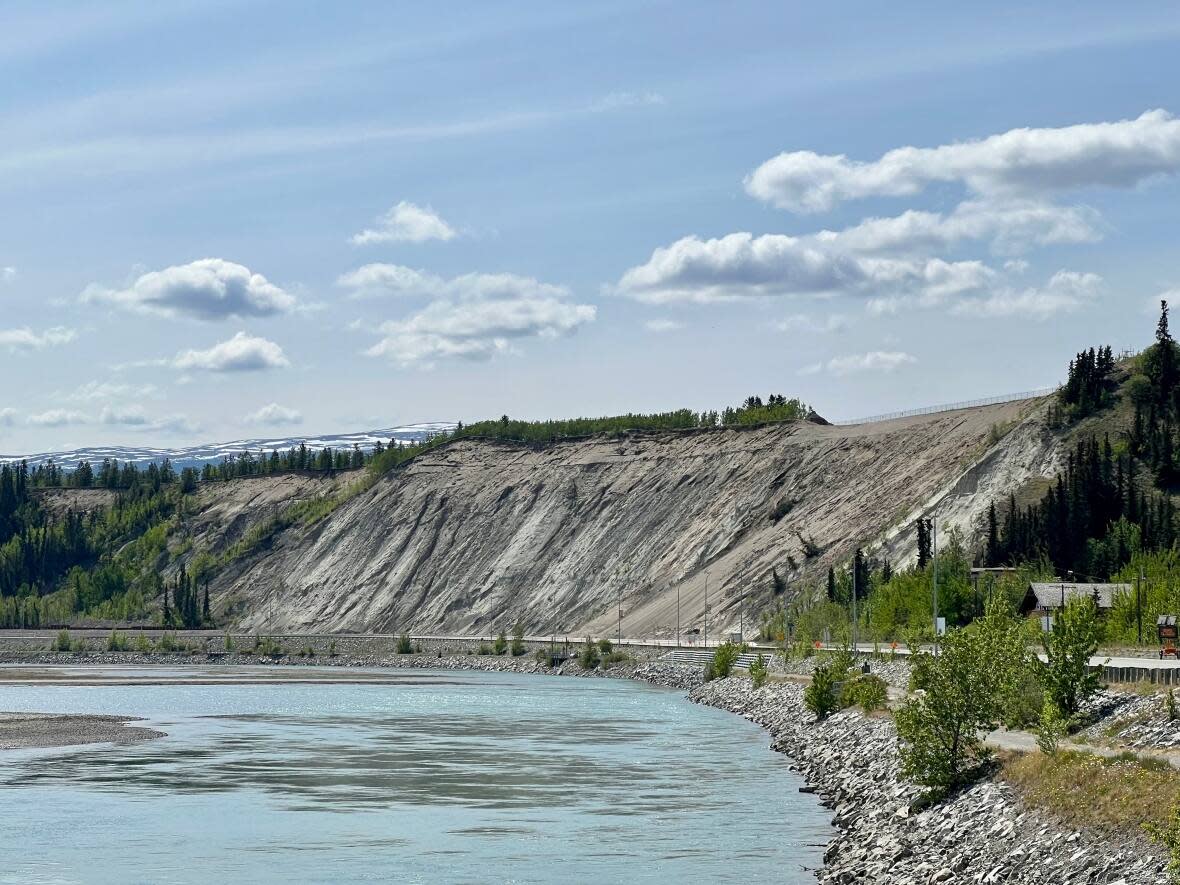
25,339
873,361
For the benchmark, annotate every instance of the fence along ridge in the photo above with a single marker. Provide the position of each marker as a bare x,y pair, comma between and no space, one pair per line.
950,407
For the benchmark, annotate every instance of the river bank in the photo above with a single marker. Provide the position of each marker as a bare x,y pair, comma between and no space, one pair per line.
982,834
20,731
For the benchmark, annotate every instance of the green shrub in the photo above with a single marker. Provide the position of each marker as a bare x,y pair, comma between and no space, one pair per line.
332,649
229,644
268,647
1052,728
166,642
589,657
759,671
500,646
143,645
820,695
517,640
63,642
404,646
866,691
724,658
1069,646
484,649
605,646
1168,835
117,642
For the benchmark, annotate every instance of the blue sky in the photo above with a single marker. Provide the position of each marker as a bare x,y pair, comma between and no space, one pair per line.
247,219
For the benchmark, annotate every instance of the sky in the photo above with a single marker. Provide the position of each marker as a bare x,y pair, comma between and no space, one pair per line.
250,219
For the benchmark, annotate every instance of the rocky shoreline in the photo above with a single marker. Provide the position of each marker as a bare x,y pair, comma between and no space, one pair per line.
983,834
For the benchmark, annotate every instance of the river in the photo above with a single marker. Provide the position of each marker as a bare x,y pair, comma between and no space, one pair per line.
403,776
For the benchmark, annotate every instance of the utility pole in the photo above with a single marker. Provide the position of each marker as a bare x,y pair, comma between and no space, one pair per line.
1139,603
934,552
621,613
706,609
678,628
854,570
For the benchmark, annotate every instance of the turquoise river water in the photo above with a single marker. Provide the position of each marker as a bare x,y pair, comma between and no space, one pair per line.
402,776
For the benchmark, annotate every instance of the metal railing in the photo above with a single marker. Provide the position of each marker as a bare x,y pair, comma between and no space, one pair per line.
951,407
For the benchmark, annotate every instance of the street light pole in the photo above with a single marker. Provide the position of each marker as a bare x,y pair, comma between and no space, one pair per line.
934,552
854,570
706,609
1139,603
678,614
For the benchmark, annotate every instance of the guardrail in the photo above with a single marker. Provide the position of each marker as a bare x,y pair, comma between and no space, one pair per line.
951,407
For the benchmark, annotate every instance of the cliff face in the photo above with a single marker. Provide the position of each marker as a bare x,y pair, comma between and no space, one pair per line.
475,536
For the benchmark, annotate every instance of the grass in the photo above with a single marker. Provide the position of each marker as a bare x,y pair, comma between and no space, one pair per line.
1114,795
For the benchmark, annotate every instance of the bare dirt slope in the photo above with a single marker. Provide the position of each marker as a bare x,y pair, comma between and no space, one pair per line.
476,535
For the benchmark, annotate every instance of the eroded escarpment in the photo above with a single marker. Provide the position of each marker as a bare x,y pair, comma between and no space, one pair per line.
982,834
478,535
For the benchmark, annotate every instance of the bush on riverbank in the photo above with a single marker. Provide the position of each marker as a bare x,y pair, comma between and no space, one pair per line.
62,643
721,664
517,647
820,696
500,646
404,646
759,671
589,657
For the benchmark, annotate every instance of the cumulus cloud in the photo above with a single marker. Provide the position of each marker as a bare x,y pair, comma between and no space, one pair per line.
274,415
406,223
25,339
7,417
873,361
1011,226
742,265
208,289
59,418
663,325
7,274
1020,162
242,353
398,281
1065,292
477,329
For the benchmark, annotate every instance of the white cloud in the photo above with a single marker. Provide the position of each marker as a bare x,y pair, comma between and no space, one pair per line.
98,391
1065,292
395,280
208,289
59,418
476,328
1018,162
799,322
7,274
274,415
406,223
663,325
25,339
873,361
242,353
1011,226
134,418
7,417
741,265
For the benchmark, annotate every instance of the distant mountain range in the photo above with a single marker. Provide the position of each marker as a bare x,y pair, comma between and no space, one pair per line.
197,456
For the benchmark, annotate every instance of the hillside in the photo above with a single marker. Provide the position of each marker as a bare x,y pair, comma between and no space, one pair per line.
475,535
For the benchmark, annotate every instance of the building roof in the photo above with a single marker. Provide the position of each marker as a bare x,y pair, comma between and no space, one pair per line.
1049,595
